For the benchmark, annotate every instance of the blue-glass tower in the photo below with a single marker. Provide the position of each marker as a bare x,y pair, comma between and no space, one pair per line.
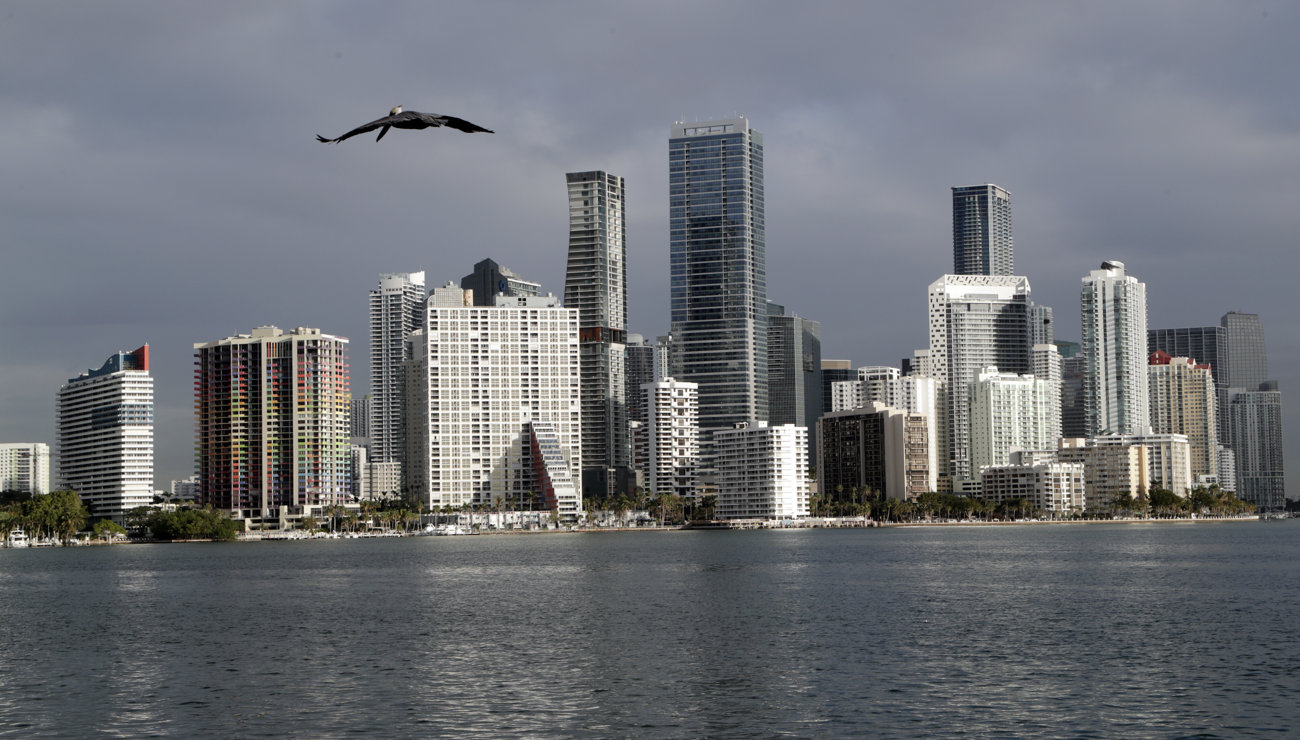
719,274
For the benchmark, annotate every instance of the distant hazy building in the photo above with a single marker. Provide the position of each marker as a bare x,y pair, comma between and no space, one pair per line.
1257,444
595,284
671,437
490,279
639,370
484,383
874,451
1247,364
981,231
976,321
271,416
185,490
25,468
1113,307
719,272
794,368
359,418
1208,345
1074,417
762,471
1184,401
105,434
834,371
1042,329
395,314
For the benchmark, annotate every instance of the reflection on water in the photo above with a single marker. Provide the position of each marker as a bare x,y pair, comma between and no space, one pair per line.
1081,631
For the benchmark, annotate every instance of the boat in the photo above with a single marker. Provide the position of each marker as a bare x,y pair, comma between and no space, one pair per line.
18,538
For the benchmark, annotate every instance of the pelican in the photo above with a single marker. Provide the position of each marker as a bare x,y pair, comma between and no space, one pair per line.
399,118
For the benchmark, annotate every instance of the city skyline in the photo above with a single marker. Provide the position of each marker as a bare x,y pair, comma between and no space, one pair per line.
184,227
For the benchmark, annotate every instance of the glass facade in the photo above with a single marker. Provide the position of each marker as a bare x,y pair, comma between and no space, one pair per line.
718,268
981,231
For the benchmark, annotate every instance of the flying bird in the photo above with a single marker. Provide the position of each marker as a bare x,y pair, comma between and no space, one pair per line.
399,118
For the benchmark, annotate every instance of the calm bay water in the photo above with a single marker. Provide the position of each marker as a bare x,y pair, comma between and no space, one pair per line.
1168,630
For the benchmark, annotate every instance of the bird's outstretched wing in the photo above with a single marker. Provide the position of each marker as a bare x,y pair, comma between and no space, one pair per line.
386,120
460,124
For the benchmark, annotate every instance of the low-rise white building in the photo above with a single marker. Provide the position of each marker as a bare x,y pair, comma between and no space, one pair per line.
1057,488
762,471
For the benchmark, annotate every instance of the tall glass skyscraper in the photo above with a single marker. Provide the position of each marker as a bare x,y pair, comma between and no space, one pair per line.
1247,358
719,272
981,231
595,283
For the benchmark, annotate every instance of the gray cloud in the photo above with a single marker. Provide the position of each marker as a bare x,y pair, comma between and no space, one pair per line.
162,184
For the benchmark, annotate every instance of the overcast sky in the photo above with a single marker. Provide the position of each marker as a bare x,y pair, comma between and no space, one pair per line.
160,180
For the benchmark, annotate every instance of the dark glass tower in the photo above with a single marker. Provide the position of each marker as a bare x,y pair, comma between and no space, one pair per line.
595,283
981,231
719,273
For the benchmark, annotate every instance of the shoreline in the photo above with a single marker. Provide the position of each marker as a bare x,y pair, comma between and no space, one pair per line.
716,526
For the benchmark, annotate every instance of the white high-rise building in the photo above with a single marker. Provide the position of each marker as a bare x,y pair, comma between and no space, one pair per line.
1113,306
1046,366
762,471
1010,412
1184,401
25,468
105,428
976,321
484,382
672,437
395,308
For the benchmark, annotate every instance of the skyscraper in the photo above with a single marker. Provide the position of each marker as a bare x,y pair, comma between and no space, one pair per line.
271,411
394,315
794,369
1247,358
718,268
595,284
1113,308
981,231
1257,444
105,433
976,321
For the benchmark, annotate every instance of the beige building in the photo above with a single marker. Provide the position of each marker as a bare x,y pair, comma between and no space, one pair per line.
1110,471
1183,401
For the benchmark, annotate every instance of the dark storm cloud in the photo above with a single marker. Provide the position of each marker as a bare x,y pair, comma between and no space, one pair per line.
161,181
